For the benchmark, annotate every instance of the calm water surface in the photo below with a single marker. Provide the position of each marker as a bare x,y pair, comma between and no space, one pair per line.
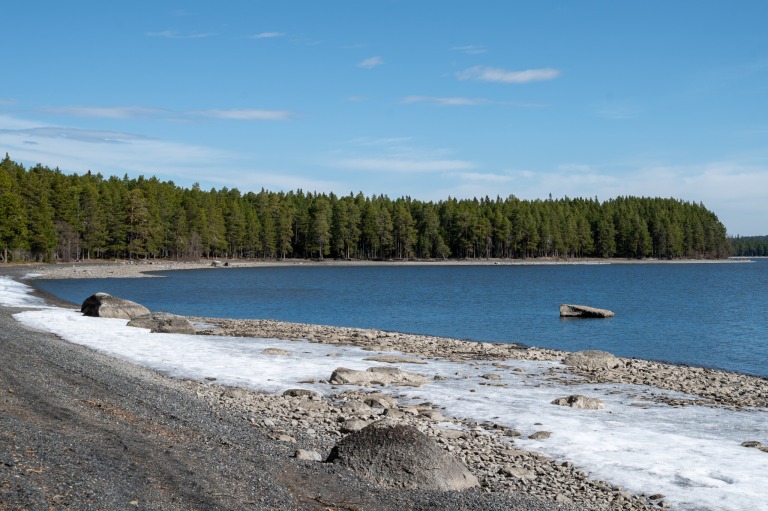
713,315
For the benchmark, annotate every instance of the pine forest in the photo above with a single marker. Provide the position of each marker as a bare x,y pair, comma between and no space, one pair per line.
48,215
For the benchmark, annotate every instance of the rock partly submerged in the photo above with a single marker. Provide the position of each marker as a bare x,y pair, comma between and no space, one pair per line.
583,311
394,455
103,305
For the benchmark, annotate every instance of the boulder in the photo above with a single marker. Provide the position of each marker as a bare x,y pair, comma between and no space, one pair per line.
305,455
582,311
103,305
393,455
311,394
592,359
578,401
163,322
276,352
377,375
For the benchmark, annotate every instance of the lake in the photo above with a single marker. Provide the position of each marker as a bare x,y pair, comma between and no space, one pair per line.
711,315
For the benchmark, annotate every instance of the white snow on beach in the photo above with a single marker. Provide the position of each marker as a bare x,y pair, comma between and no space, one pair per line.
692,455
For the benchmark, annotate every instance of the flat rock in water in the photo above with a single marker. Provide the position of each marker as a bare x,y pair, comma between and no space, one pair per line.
393,455
162,322
582,311
578,401
103,305
377,375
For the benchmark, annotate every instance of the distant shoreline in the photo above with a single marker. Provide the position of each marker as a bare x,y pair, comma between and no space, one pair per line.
141,268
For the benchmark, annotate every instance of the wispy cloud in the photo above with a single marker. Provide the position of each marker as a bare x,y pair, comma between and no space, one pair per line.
492,74
617,111
107,112
470,49
80,135
267,35
403,165
247,114
172,34
7,102
446,101
485,177
464,101
370,63
140,112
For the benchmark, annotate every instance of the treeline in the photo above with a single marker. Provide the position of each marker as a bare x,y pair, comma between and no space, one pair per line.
46,215
750,246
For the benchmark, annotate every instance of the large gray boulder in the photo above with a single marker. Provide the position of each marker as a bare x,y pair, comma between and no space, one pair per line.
591,360
377,375
103,305
163,322
582,311
393,455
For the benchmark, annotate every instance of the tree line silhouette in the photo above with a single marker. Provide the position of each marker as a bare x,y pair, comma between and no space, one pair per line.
47,215
750,246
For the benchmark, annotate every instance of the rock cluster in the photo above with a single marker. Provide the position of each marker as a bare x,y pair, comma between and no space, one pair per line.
314,425
713,387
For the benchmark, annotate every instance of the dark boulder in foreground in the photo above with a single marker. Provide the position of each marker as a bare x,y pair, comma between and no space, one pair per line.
103,305
582,311
393,455
162,322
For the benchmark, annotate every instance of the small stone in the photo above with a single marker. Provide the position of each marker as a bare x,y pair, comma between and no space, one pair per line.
352,425
540,435
302,454
276,352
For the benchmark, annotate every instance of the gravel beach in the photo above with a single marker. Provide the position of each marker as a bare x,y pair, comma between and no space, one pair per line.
82,430
79,430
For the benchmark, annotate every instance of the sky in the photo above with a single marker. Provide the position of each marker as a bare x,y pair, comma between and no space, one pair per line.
421,98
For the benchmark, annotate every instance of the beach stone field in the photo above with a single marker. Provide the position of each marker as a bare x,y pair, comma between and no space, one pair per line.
81,430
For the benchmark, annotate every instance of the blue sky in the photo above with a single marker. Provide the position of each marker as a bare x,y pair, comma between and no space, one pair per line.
428,99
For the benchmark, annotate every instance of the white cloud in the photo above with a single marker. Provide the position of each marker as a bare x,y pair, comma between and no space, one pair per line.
171,34
247,114
108,112
445,101
490,74
76,134
267,35
107,151
470,49
7,102
370,63
403,165
484,177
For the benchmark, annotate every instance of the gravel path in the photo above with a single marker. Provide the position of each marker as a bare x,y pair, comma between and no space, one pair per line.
79,430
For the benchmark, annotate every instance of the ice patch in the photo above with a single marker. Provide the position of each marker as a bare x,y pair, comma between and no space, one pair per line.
15,294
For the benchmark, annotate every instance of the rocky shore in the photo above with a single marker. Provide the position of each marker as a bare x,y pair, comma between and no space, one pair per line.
710,386
301,427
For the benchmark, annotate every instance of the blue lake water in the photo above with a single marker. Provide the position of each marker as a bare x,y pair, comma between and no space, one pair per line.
712,315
